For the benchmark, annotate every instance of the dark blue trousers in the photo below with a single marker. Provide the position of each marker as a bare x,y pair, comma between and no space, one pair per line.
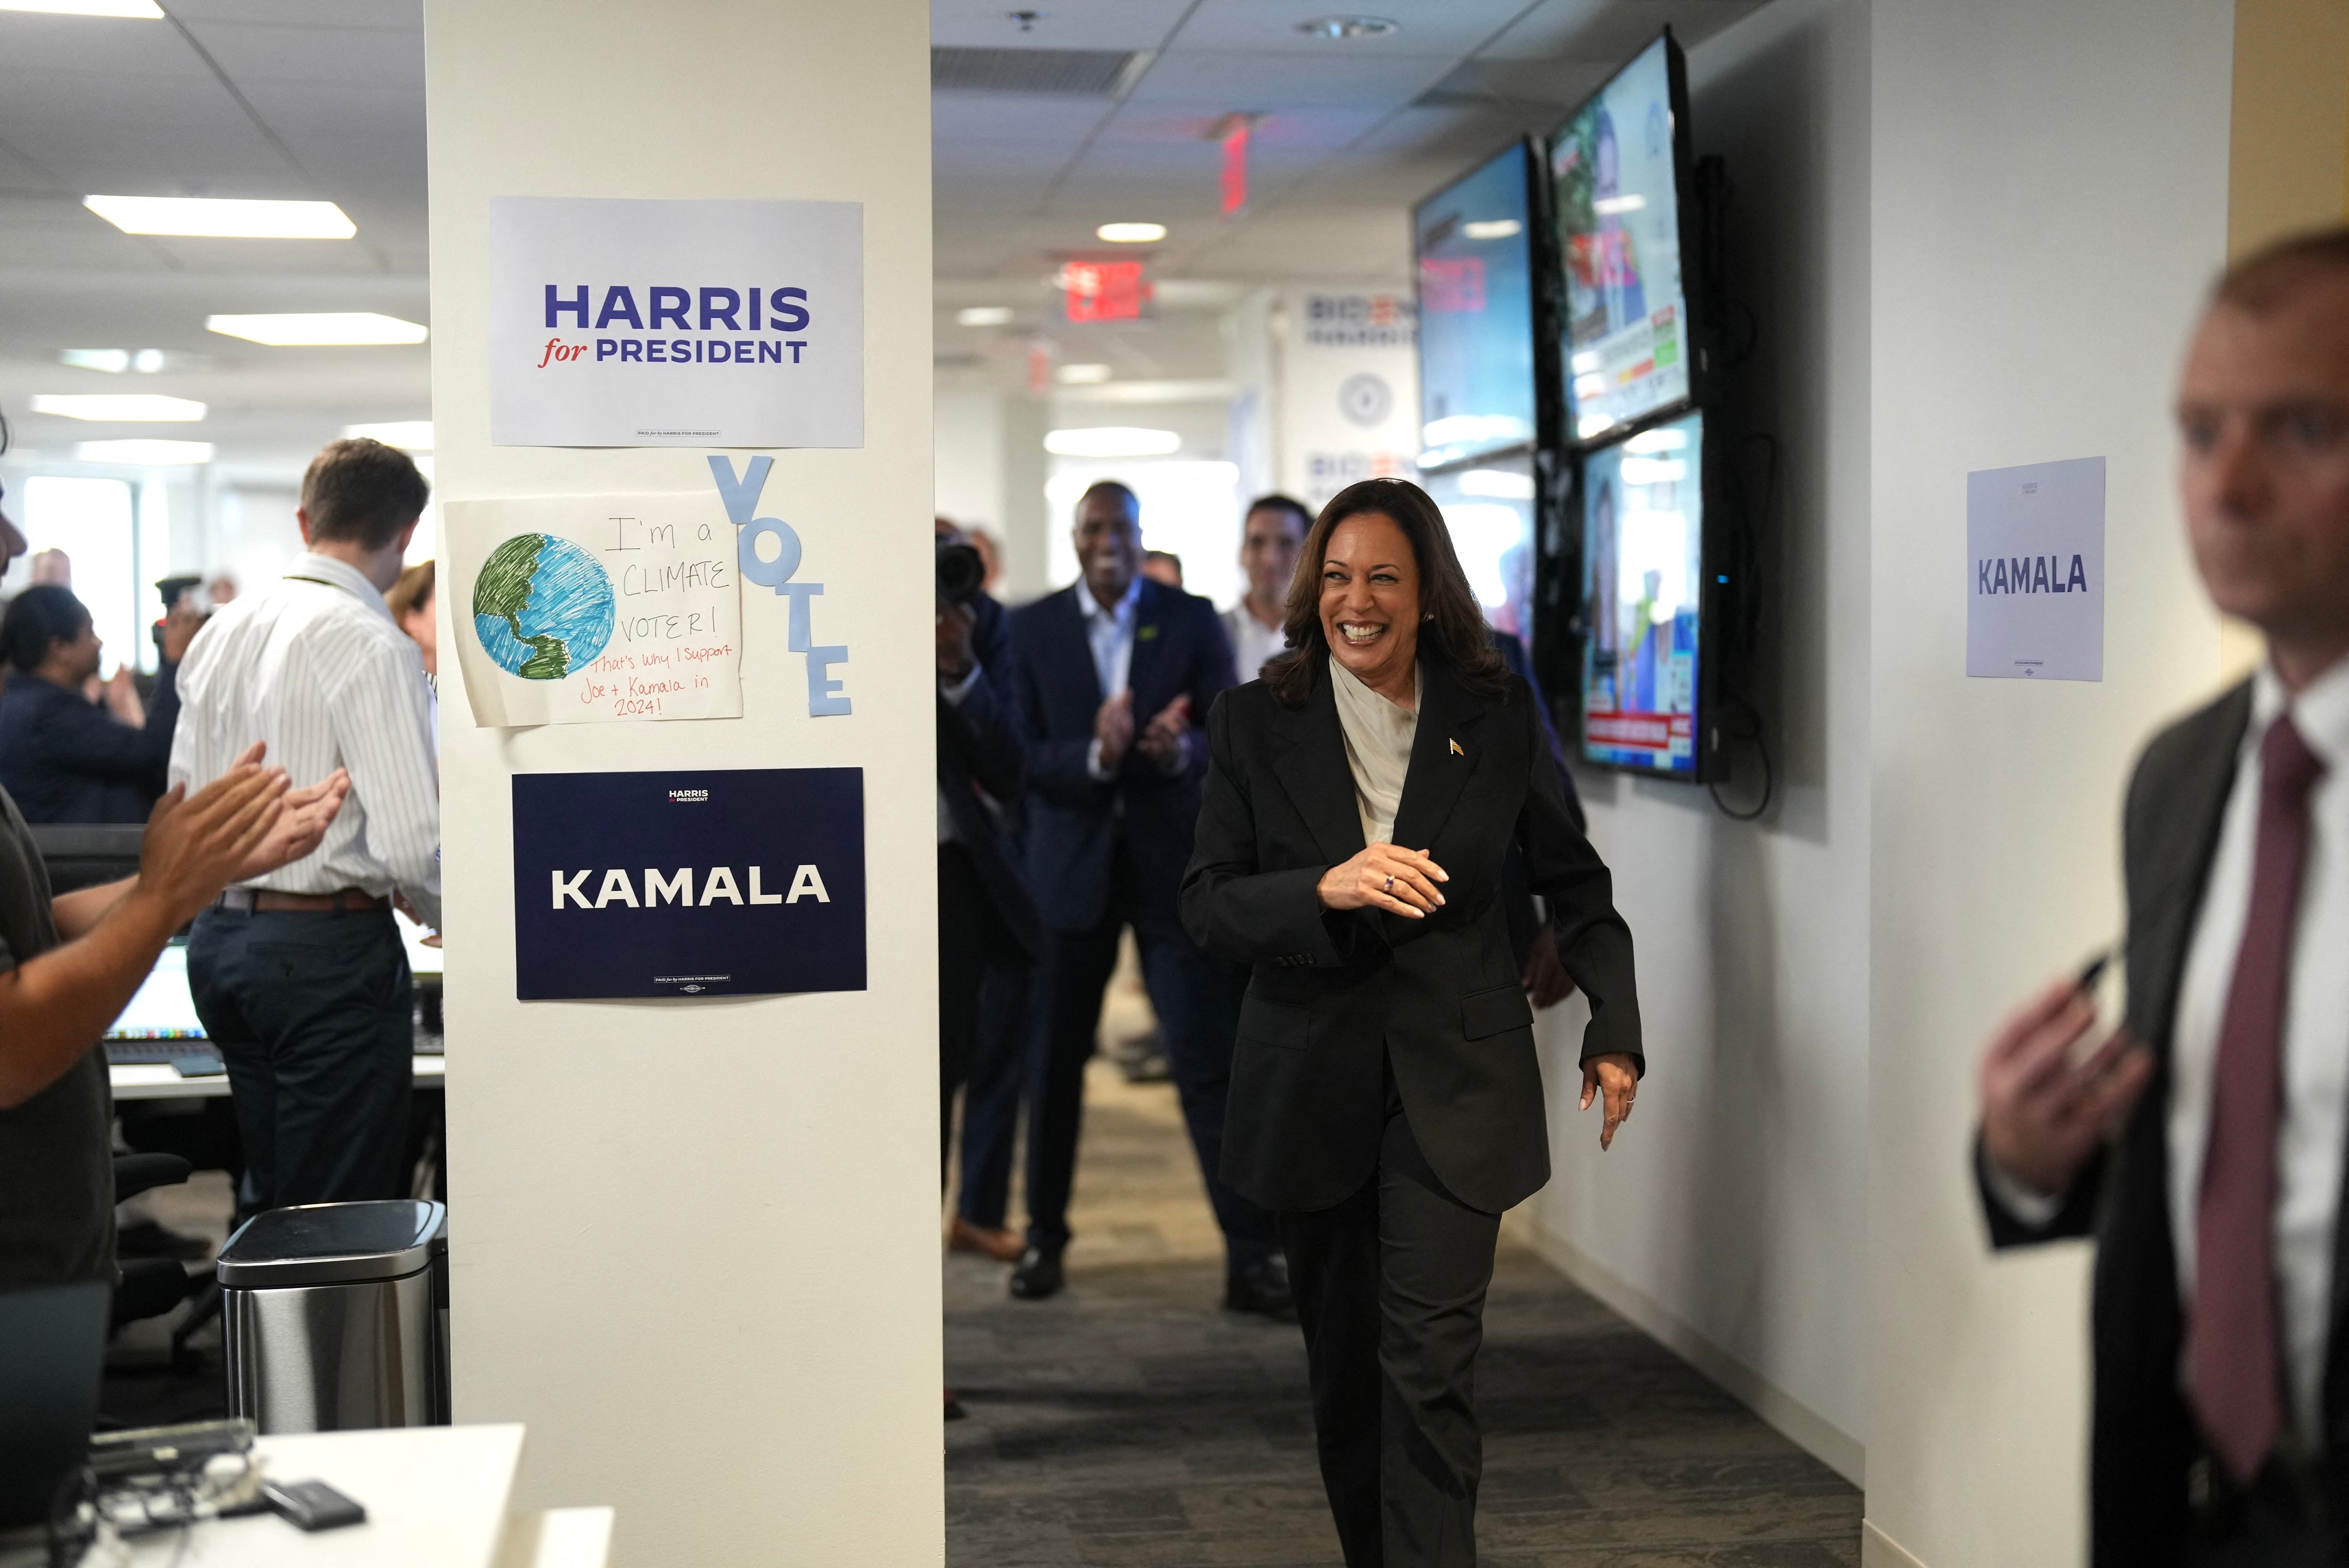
1190,992
312,1012
990,1099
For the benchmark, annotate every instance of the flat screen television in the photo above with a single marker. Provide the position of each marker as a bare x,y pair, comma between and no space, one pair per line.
1488,506
1655,585
1620,175
1472,245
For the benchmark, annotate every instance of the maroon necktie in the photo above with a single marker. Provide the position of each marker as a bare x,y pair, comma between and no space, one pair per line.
2234,1357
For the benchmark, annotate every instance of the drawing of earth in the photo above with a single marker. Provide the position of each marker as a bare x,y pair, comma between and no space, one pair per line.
543,607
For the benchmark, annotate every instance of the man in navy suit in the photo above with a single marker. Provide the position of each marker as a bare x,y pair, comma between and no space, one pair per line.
1117,674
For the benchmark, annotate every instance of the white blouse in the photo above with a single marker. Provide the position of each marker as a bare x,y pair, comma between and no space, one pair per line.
1379,736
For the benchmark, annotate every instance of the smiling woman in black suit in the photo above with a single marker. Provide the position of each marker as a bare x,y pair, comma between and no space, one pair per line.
1386,1101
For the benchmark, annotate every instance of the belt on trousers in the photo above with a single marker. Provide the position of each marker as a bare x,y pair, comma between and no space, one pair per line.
261,901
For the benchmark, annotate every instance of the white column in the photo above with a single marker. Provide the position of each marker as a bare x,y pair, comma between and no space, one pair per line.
695,1243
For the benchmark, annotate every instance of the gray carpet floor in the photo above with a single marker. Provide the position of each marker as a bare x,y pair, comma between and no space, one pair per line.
1132,1423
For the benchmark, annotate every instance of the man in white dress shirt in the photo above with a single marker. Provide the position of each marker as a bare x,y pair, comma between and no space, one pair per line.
300,976
1270,538
2221,1413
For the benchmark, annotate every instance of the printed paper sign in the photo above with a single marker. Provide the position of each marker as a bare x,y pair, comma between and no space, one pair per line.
714,883
2035,572
596,609
1349,391
623,323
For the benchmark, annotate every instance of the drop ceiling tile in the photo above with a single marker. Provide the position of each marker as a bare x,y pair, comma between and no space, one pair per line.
1009,118
1266,81
1064,25
250,52
373,14
298,111
110,48
1426,28
1186,125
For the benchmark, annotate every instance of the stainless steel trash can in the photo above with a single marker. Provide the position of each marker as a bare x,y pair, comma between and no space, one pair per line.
335,1316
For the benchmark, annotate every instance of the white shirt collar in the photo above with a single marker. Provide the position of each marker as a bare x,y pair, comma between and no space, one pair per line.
1122,609
2321,712
340,575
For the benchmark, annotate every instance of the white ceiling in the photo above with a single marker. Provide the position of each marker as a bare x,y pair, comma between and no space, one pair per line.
325,98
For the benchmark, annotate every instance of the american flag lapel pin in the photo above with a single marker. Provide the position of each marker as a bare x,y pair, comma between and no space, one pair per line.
1456,751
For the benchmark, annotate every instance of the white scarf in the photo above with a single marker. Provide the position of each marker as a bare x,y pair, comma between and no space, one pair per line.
1379,736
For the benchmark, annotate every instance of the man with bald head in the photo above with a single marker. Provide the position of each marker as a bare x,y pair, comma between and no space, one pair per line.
2203,1144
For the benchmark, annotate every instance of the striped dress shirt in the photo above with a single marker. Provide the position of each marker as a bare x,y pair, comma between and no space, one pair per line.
314,666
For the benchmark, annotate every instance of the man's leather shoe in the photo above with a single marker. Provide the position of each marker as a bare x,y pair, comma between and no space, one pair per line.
1261,1287
1037,1277
1003,1246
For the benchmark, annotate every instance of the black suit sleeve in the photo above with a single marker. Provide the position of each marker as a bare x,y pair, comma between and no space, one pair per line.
86,739
1230,907
1056,766
1214,677
985,728
2077,1217
1593,941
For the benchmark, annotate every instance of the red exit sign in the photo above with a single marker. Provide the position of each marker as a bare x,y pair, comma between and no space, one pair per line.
1104,290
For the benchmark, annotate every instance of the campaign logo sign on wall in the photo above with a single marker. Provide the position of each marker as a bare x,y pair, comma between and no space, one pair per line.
626,323
1350,390
716,882
2035,572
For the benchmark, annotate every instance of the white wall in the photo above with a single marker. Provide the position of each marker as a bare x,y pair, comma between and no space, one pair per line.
1730,1218
695,1243
967,456
2048,198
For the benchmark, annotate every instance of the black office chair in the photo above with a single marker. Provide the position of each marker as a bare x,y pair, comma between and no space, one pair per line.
84,854
150,1287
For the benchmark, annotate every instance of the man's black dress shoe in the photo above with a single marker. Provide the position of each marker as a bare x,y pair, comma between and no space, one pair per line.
1262,1287
1037,1277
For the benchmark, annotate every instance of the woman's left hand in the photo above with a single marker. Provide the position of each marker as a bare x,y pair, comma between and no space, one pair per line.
1615,1076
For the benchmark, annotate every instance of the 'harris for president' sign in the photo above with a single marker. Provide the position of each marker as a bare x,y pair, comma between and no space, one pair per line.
626,323
719,882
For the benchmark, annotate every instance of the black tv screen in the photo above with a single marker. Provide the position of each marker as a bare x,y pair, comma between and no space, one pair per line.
1650,603
1619,172
1473,243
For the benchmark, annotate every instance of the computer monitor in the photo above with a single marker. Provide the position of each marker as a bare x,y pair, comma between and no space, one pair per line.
1472,244
1620,180
1655,590
161,1008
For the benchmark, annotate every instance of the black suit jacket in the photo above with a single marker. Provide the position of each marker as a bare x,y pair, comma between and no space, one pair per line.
1334,997
2144,1442
1517,898
1074,820
983,758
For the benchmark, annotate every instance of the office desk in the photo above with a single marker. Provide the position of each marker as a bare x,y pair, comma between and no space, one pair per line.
435,1496
159,1080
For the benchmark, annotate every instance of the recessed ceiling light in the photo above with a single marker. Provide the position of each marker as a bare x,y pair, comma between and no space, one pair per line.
220,219
1131,233
407,435
1347,27
146,361
1082,375
1111,441
1492,229
152,454
130,406
319,329
142,10
983,315
112,361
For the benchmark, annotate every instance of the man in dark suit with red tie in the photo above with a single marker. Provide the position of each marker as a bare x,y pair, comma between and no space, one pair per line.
1117,674
2203,1145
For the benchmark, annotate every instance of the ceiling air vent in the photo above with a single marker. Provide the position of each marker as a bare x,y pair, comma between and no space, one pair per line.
1057,73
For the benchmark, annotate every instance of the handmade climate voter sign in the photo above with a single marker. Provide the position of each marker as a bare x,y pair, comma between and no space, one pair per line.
629,323
588,609
712,882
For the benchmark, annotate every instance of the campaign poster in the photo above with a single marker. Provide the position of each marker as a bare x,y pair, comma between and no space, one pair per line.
2035,572
1614,178
632,322
712,882
1349,389
1643,585
595,609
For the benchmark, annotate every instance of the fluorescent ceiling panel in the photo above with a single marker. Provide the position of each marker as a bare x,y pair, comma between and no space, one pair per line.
318,328
216,218
1111,441
124,407
407,435
140,10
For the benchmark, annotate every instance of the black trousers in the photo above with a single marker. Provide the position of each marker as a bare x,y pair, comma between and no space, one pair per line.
971,938
990,1097
1391,1289
1189,992
313,1014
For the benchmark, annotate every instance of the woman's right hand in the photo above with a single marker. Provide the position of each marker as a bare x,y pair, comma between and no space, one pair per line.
1384,876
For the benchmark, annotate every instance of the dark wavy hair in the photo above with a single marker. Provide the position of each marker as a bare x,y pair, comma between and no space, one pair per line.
1452,627
40,615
